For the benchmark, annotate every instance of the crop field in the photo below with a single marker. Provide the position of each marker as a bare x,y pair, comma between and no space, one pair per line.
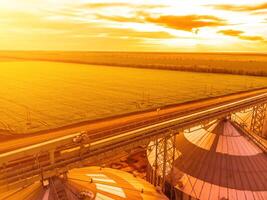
38,95
229,63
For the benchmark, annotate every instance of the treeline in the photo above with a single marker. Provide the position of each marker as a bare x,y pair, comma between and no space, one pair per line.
239,64
182,68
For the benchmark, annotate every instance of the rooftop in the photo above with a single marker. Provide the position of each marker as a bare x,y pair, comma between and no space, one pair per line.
219,161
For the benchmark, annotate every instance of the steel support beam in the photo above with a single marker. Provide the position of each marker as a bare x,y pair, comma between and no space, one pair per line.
251,122
258,118
52,156
162,154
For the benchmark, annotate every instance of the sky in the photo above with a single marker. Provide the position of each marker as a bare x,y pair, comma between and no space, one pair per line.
134,25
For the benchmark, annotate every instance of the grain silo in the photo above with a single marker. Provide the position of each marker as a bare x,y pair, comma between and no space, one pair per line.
213,162
88,183
219,162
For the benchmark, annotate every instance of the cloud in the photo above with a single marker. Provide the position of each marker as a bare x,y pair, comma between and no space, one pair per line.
28,24
104,5
252,38
231,32
33,23
121,4
260,12
241,8
188,22
125,25
139,34
118,18
239,34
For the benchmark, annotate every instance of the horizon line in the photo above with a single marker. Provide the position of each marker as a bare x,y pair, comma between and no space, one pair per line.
171,52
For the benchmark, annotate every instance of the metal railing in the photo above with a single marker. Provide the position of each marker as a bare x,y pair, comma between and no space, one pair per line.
55,157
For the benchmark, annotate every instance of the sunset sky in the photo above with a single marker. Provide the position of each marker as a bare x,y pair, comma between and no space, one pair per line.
134,25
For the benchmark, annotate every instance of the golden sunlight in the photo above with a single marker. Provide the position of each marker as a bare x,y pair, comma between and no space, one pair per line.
163,25
133,99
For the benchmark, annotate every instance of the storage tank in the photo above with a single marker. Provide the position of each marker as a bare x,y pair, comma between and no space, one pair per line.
88,183
219,162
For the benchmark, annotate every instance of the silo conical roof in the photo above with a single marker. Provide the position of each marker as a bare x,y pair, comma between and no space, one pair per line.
88,183
219,162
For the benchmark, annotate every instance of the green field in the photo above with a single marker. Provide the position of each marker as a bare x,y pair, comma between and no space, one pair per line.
39,95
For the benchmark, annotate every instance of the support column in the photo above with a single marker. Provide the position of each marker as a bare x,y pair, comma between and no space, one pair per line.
164,170
258,118
155,165
161,155
52,156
